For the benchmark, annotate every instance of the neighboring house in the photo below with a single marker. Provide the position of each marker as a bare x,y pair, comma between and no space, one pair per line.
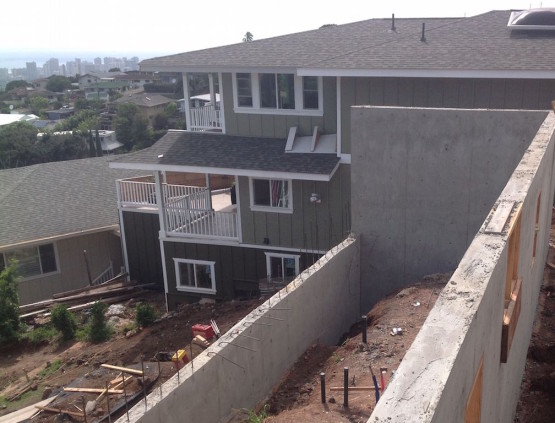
6,119
282,132
149,104
108,141
97,86
62,113
51,213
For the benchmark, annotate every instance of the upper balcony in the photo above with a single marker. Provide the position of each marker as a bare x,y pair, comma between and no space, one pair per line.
188,211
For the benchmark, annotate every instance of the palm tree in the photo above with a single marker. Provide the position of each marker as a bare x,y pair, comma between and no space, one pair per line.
248,37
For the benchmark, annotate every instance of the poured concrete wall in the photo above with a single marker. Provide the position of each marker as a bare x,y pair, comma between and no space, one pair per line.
434,381
240,371
423,182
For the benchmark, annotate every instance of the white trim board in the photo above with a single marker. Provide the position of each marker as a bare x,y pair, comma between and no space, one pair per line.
224,243
429,73
226,171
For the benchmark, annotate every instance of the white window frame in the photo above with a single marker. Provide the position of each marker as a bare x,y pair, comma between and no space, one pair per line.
186,288
269,257
42,274
255,90
258,207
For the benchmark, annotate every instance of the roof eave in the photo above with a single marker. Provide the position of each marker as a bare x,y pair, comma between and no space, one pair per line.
428,73
253,173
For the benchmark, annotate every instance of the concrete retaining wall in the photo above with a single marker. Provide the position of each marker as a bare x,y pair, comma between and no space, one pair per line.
239,371
435,379
423,182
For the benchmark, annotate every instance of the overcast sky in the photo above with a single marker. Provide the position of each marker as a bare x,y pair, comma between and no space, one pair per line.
174,26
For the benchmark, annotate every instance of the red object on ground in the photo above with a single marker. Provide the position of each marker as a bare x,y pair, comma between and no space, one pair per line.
206,331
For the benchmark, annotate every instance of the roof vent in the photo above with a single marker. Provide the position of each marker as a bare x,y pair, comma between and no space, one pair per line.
534,19
423,38
393,29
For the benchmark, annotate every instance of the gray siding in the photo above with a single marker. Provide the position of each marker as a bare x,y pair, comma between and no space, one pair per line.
236,268
101,248
143,247
310,226
277,126
443,93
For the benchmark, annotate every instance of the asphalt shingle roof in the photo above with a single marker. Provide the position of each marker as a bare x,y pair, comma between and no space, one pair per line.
481,42
208,150
54,199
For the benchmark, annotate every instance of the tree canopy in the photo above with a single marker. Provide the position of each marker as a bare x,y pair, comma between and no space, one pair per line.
248,37
19,146
15,84
58,83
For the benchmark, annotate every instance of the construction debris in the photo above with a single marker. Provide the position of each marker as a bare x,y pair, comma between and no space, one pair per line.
199,340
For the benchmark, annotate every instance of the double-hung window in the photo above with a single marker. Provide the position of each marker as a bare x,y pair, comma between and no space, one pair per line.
271,195
32,261
244,90
195,276
277,90
310,92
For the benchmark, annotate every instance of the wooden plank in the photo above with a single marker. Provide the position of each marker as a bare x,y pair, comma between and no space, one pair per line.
510,321
25,413
93,390
499,218
59,410
474,403
123,369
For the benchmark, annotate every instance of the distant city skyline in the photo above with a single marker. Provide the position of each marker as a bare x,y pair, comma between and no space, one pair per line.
123,28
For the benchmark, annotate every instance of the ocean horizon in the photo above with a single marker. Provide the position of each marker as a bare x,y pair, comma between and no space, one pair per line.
18,59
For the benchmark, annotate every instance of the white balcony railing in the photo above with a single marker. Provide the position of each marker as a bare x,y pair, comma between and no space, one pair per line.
140,194
187,209
205,118
201,223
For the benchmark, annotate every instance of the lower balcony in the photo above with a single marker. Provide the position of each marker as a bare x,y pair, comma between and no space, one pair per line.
189,211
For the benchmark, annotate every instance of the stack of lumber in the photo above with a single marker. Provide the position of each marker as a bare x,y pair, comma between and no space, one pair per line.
112,291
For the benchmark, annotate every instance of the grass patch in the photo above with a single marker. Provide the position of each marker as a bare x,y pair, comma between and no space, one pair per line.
40,335
50,369
259,418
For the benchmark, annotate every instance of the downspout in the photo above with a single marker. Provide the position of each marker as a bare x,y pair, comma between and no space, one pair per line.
338,90
159,189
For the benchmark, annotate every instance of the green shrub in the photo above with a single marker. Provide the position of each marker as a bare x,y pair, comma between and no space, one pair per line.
144,314
9,304
39,335
64,321
97,329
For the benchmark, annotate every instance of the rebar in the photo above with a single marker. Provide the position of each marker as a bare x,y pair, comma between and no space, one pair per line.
225,358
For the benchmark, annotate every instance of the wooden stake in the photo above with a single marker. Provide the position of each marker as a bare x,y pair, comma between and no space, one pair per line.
353,388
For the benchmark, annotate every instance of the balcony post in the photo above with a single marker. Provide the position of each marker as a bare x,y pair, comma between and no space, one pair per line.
159,189
187,102
212,94
209,191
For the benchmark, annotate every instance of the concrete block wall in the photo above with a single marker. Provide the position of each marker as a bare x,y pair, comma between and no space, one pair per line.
423,182
240,371
436,376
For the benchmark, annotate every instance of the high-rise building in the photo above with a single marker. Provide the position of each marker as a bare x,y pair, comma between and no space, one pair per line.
78,66
51,67
32,73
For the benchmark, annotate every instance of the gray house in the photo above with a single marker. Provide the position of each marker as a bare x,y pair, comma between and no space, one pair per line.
51,213
281,134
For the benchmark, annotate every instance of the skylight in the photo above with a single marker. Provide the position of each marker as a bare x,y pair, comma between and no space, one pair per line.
536,19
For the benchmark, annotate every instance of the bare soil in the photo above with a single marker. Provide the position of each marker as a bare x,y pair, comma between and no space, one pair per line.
298,398
76,359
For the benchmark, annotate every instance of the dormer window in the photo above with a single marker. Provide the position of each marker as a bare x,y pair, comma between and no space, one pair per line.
277,93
